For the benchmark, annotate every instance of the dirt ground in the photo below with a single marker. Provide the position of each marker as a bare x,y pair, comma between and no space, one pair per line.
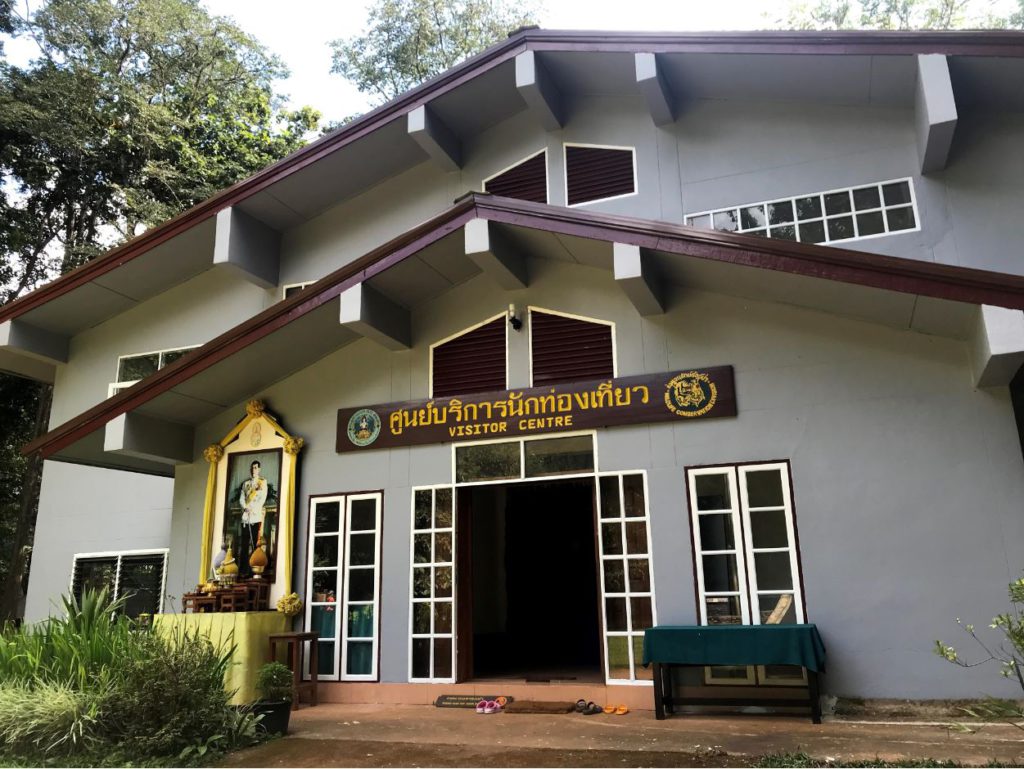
410,735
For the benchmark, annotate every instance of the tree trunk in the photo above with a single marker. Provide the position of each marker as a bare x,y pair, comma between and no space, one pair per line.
11,592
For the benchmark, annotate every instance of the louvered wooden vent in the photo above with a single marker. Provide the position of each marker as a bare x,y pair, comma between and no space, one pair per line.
526,181
568,349
594,173
471,363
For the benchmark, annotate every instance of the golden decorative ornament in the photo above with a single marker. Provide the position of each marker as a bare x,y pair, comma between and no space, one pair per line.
258,560
229,569
254,408
213,453
290,604
293,445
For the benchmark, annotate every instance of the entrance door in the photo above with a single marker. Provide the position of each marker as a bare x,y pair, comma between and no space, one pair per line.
528,577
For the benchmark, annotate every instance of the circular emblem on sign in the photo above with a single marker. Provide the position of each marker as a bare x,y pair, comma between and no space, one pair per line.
690,394
364,427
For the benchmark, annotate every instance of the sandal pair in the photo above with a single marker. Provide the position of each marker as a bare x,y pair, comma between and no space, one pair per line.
587,708
619,710
488,707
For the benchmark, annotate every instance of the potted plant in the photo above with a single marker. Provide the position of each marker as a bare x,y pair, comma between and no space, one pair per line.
274,684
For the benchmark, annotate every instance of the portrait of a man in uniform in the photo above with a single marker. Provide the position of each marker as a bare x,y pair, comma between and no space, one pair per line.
251,509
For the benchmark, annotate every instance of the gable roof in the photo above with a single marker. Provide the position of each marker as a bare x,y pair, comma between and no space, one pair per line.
882,273
993,43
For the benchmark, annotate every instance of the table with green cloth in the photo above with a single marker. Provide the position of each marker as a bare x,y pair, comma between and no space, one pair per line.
668,646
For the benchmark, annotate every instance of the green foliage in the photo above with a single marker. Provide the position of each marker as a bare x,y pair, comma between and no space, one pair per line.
274,682
410,41
897,14
804,760
48,718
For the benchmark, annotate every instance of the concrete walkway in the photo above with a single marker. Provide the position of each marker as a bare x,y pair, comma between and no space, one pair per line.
379,735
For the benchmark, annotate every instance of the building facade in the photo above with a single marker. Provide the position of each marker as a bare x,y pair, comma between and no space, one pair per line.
591,333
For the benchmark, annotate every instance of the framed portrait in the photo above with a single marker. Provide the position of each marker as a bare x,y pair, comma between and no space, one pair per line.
252,507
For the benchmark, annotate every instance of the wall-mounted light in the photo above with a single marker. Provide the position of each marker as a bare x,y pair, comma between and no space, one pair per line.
513,321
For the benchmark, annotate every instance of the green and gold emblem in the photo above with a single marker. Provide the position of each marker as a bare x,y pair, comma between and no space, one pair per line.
690,394
364,427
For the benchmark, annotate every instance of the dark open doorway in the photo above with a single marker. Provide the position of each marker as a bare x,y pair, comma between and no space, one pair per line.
529,552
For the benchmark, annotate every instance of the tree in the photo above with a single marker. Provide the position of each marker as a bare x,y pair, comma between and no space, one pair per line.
898,14
410,41
133,111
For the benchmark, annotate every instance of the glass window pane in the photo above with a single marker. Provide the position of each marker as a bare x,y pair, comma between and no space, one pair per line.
442,658
752,217
360,621
729,673
812,232
615,613
841,228
618,657
716,532
773,571
559,456
633,495
641,613
870,224
786,673
724,610
640,672
443,511
443,582
764,488
326,516
703,221
423,509
759,233
768,528
900,219
442,616
487,462
167,358
787,232
325,551
324,620
421,618
726,220
780,212
837,203
777,609
325,658
636,537
866,197
720,573
421,582
325,582
137,367
361,583
712,492
610,507
896,194
808,208
611,538
443,547
364,515
639,575
361,549
141,578
421,548
421,658
614,577
360,658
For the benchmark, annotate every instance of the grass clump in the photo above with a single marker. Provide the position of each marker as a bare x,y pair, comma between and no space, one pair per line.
800,760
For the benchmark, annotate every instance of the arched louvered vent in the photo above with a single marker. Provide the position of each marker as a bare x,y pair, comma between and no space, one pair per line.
525,181
596,173
472,362
569,349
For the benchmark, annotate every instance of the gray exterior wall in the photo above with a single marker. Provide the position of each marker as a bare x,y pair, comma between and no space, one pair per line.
906,480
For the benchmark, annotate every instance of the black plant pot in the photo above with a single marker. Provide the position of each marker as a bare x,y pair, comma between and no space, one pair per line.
275,715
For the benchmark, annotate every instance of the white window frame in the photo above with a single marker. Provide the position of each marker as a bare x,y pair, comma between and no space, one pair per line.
522,440
120,555
463,332
565,173
530,309
344,603
314,502
301,285
825,217
547,175
117,385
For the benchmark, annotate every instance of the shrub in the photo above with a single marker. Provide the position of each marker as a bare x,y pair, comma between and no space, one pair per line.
274,682
48,718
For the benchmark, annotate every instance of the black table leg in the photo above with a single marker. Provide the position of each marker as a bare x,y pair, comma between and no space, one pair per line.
812,691
659,693
667,686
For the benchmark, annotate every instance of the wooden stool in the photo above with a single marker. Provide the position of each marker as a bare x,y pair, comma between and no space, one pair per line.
294,654
259,594
233,599
198,603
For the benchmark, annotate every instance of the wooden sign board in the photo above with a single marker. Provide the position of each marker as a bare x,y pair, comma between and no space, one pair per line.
674,396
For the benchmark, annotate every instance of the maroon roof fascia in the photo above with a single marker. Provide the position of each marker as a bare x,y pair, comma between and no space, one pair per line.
826,262
1004,43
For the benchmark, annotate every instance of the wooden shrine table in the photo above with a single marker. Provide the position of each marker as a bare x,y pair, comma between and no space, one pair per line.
293,652
670,646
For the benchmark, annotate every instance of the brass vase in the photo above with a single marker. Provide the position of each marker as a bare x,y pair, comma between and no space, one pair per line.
258,560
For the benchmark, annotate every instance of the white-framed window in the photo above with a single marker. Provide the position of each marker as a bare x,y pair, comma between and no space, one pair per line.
847,214
343,584
486,343
598,172
564,455
526,179
432,577
290,289
627,582
132,368
745,551
564,347
138,576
